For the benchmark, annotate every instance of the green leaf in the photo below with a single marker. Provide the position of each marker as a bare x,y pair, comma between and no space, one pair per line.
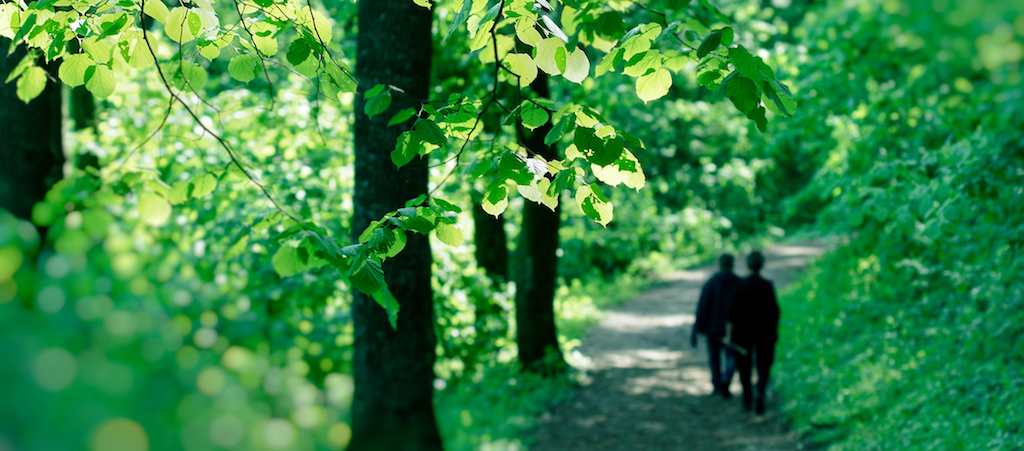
548,52
522,65
594,149
594,205
654,85
263,38
566,124
402,116
745,63
179,192
100,81
195,75
367,276
460,17
31,83
609,62
298,52
710,44
377,104
427,130
287,262
449,234
156,9
445,205
153,209
242,68
757,115
496,199
743,93
317,24
390,304
643,63
203,185
407,148
177,26
534,117
577,66
727,36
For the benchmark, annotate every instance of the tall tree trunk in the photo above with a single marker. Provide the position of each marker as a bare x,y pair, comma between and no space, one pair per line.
491,243
491,254
31,139
536,270
393,369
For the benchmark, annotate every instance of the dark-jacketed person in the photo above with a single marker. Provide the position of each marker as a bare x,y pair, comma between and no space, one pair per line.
716,299
753,326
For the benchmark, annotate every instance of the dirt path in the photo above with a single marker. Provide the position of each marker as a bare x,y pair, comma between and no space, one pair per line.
648,389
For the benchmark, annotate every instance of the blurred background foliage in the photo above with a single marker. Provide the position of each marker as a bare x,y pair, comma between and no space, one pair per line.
906,152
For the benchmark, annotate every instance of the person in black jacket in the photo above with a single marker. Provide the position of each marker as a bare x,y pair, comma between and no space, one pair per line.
712,314
753,326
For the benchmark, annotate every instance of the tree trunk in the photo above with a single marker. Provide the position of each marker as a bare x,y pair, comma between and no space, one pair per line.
537,263
491,243
31,139
393,369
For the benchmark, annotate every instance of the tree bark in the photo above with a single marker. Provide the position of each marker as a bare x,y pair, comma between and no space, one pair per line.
393,369
31,139
491,243
537,264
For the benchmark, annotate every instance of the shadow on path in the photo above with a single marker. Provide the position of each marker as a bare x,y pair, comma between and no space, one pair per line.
648,389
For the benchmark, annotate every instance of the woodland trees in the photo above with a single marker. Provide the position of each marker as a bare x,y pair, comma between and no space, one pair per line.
393,363
260,197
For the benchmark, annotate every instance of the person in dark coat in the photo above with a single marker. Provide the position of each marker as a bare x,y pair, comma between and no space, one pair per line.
753,326
712,314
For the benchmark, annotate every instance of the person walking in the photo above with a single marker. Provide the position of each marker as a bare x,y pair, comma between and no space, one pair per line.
716,299
753,326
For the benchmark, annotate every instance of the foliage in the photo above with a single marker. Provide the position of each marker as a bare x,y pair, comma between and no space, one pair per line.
904,336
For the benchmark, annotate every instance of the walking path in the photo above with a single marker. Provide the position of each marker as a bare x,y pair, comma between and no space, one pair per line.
648,389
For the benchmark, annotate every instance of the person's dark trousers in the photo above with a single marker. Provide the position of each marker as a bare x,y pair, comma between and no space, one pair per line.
719,380
763,354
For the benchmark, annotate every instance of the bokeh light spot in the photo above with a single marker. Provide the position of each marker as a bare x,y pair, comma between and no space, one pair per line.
120,434
210,381
279,433
54,369
340,434
226,431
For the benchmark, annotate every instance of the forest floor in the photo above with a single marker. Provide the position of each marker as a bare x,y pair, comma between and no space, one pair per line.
645,388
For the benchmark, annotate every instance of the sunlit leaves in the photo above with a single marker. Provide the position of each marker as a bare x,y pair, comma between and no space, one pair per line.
156,9
577,66
264,38
154,209
31,83
522,65
100,81
288,262
495,200
653,86
532,116
594,204
449,234
179,24
551,56
317,24
242,68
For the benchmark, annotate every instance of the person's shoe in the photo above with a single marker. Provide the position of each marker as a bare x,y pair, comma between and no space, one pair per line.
725,393
760,406
746,401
